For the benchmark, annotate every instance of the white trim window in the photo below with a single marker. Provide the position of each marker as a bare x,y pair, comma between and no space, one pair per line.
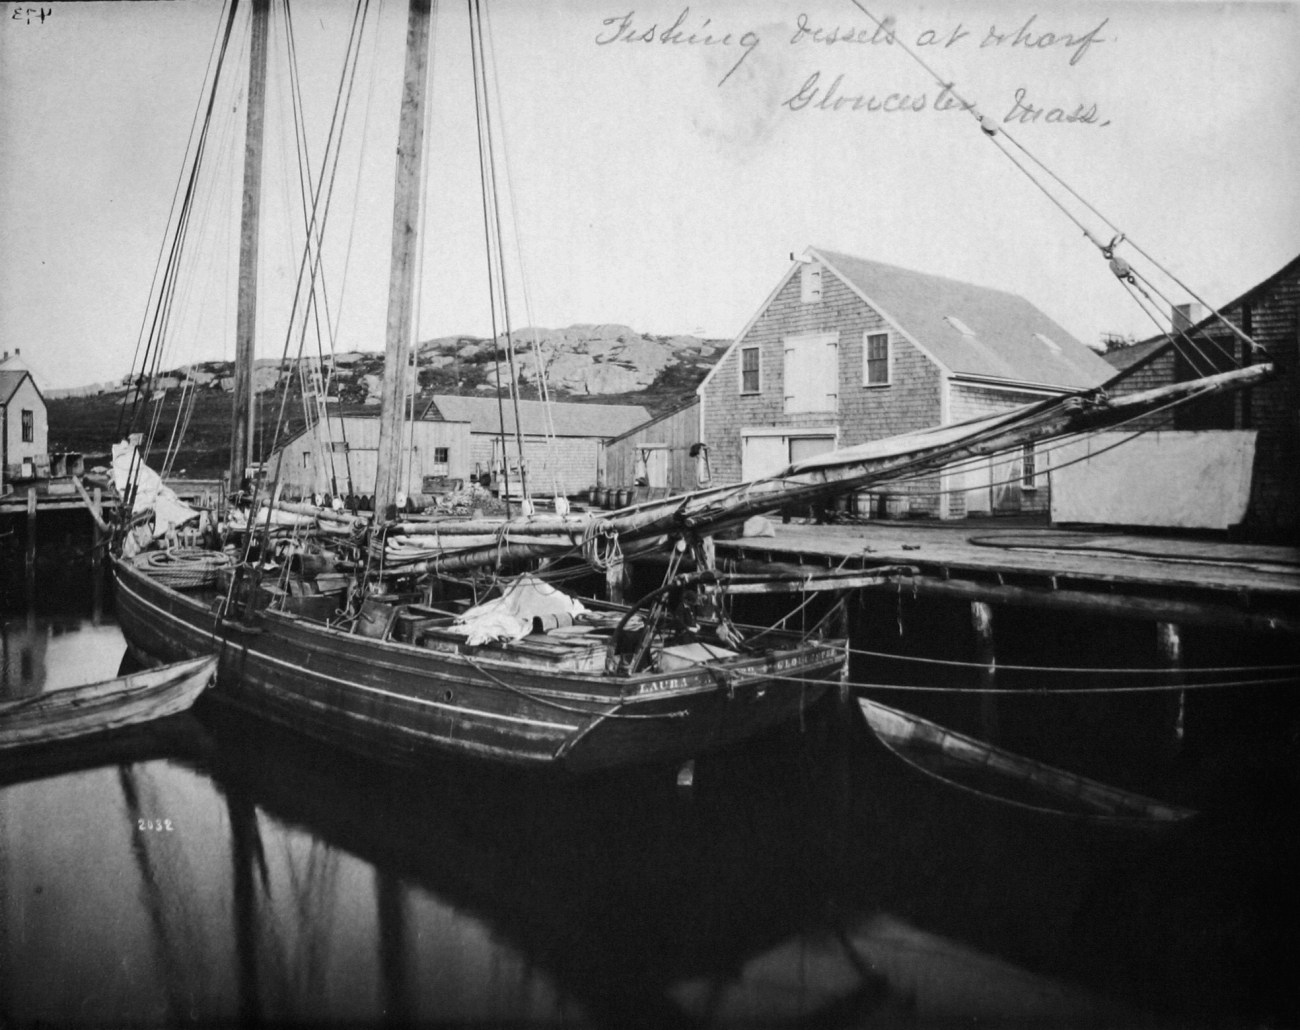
812,373
810,283
751,379
1028,467
877,359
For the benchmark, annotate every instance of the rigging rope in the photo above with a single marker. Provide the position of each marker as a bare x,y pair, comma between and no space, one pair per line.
992,131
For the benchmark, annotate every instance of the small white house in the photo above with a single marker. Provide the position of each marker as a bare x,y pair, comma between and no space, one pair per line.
25,432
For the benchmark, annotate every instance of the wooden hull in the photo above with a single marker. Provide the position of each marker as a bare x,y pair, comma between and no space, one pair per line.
404,704
999,775
79,712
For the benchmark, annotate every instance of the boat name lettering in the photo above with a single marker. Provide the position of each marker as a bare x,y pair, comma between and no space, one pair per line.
659,686
155,825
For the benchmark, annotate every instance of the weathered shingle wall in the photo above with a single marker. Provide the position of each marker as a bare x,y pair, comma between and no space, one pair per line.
910,402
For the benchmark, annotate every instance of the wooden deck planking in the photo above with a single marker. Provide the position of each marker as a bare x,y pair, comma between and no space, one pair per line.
1035,551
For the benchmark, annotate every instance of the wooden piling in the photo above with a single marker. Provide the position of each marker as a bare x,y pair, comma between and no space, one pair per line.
616,581
1170,645
31,527
982,620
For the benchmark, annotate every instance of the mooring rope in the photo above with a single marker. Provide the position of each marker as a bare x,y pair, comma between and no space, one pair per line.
1149,688
1071,669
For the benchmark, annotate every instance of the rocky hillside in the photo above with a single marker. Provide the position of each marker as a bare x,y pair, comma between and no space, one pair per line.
607,362
596,363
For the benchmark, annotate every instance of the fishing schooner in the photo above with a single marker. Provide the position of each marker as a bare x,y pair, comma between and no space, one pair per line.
342,631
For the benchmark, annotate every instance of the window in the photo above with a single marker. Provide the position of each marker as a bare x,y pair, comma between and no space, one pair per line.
812,373
959,325
875,360
1048,342
306,459
441,455
749,380
1028,468
29,427
810,283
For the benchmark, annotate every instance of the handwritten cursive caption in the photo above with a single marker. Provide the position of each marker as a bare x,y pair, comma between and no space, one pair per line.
840,95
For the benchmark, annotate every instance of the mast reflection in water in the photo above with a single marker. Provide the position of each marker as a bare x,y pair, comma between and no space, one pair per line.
208,871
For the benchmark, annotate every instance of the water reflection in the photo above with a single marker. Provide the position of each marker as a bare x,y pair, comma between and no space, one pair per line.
208,870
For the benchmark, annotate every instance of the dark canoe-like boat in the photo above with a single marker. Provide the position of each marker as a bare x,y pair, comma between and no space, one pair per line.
999,775
75,713
412,691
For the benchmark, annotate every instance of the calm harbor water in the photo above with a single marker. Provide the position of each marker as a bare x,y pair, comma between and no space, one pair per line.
208,872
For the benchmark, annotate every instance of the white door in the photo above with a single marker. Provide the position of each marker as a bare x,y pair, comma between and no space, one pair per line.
763,456
976,481
802,447
656,466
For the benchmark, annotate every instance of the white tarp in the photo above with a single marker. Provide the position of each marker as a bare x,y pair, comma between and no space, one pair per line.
510,616
169,511
1187,480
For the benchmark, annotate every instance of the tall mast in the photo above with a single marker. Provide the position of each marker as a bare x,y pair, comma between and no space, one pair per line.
241,427
406,217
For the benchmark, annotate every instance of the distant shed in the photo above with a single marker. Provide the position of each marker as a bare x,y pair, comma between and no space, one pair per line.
657,453
563,443
341,456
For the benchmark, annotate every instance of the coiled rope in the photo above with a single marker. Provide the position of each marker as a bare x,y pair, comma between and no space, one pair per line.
183,566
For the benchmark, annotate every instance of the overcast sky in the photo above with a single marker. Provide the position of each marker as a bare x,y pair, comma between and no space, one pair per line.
654,181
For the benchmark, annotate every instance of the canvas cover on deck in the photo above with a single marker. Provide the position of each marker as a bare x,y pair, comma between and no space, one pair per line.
510,616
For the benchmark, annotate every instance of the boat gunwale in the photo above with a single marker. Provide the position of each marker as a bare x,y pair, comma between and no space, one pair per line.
743,670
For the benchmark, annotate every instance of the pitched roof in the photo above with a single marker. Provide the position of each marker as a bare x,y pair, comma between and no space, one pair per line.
1123,358
1211,320
600,421
1008,337
10,380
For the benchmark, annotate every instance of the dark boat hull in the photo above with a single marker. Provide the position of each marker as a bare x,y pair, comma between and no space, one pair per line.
403,704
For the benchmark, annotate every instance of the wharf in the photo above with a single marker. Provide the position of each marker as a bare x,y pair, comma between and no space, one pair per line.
1021,562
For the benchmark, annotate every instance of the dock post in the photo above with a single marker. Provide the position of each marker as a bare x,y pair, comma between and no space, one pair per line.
615,581
30,563
981,614
842,628
706,557
97,554
1170,644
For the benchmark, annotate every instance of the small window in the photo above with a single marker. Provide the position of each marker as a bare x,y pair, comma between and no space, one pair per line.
441,455
1028,468
306,459
959,325
810,285
749,381
875,360
1048,342
29,427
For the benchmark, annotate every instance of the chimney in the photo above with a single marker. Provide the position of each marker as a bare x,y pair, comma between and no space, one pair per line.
1187,315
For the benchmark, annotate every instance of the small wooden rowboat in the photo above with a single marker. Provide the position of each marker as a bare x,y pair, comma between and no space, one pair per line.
998,775
77,712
